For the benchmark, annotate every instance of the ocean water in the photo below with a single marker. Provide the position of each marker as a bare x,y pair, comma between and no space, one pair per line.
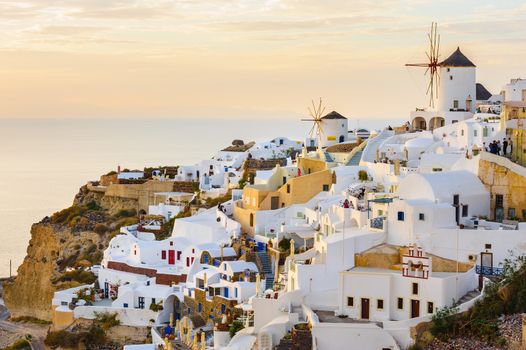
43,162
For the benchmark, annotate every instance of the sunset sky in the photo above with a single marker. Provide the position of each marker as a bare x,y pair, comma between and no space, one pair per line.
241,59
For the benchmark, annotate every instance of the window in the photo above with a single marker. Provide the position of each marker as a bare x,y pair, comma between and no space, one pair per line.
485,132
288,188
511,213
455,102
450,77
462,132
189,311
499,200
325,188
251,220
415,289
380,304
421,216
380,212
437,169
125,305
199,307
475,133
400,303
153,301
448,69
400,216
487,246
464,211
163,254
350,301
430,307
223,308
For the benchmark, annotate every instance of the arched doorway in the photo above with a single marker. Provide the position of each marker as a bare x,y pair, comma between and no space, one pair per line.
419,123
436,122
172,305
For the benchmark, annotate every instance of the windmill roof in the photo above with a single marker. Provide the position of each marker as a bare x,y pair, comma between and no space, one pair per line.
333,115
457,59
482,93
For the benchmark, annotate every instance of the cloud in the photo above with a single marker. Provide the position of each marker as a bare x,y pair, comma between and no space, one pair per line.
70,30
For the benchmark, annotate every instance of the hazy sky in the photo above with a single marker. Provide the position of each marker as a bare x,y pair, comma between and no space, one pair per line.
243,59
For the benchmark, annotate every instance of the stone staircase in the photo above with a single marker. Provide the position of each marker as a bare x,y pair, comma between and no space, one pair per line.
267,269
369,152
355,159
468,297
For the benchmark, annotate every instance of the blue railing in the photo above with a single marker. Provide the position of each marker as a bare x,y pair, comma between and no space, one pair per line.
489,271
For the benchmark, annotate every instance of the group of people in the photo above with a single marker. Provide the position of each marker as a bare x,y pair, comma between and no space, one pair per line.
501,148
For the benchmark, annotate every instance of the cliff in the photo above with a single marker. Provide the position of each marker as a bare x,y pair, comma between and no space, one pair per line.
71,238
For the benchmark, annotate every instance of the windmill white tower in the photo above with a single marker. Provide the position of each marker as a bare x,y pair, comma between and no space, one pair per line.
452,82
329,129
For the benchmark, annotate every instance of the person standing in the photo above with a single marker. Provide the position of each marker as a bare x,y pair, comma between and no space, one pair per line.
504,146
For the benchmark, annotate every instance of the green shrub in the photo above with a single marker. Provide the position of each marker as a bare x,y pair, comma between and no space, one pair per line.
362,175
100,228
106,320
156,307
78,275
125,213
20,344
63,338
235,327
444,322
284,244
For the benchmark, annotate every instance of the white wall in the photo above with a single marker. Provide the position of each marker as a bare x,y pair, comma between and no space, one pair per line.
127,316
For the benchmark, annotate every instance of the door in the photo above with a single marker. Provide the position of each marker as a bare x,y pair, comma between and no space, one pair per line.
226,292
274,203
456,204
499,214
171,257
415,308
365,308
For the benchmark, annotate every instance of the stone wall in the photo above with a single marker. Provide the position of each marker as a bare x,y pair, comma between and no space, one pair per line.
502,177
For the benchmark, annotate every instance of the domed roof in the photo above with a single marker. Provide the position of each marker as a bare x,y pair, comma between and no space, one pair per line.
419,142
333,115
457,59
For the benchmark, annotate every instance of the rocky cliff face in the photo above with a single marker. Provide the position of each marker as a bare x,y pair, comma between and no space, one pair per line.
72,238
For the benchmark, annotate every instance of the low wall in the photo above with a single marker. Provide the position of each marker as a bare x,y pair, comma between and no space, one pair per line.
160,278
127,316
340,336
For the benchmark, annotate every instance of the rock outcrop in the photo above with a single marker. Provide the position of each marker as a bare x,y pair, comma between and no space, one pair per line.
74,237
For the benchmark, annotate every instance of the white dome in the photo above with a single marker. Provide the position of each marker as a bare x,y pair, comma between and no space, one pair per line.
419,142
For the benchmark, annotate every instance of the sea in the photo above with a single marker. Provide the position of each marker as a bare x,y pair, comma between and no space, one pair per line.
44,162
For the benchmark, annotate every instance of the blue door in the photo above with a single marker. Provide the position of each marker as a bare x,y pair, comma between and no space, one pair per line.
226,292
261,246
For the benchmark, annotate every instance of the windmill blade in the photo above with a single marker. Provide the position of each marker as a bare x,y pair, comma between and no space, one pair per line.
306,120
311,132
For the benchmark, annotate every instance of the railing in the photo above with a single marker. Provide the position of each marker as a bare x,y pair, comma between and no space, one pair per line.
489,271
377,223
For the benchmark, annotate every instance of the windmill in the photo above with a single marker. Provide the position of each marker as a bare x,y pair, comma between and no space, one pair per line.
432,65
316,112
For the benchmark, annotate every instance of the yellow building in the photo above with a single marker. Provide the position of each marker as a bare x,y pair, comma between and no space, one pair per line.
274,195
506,182
513,118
